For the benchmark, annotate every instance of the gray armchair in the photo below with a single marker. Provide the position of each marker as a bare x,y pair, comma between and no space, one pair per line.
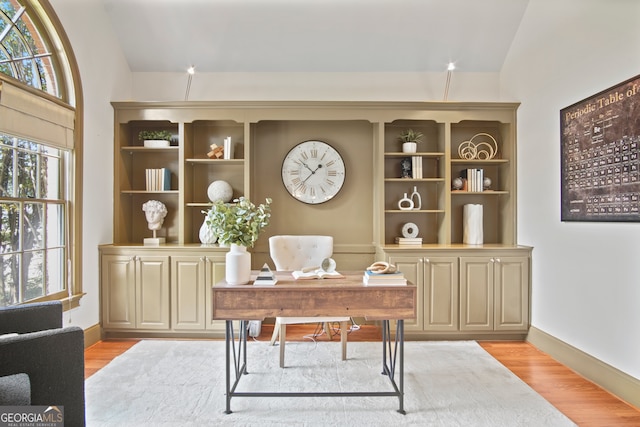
43,365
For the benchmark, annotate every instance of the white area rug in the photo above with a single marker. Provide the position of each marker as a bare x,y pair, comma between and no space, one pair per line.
182,383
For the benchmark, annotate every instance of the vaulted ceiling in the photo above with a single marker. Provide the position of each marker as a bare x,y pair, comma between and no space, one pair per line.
315,35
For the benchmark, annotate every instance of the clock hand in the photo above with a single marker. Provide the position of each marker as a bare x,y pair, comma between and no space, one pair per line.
308,176
305,165
312,171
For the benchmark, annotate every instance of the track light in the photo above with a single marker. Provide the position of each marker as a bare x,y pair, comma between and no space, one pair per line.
450,69
190,71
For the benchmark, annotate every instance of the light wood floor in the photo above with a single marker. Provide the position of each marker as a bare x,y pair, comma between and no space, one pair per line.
579,399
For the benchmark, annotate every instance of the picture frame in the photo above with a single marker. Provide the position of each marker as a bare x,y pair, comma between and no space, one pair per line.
600,156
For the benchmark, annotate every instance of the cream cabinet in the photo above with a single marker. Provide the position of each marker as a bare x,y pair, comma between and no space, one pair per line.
137,291
160,291
437,280
192,277
494,293
468,292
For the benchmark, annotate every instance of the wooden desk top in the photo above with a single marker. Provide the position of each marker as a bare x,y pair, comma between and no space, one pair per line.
313,298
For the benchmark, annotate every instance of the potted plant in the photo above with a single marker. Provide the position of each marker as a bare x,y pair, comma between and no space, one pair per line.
410,140
238,225
155,138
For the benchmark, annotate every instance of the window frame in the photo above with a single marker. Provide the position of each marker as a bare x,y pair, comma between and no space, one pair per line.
48,243
67,78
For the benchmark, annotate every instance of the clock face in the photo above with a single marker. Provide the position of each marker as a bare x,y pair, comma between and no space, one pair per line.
313,172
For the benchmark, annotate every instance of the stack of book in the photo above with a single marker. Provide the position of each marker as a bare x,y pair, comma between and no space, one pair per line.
473,179
158,179
384,279
409,240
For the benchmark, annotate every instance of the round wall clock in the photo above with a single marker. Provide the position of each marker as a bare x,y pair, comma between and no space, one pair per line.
313,172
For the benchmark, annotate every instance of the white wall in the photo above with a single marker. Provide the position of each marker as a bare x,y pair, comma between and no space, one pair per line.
586,290
315,86
105,76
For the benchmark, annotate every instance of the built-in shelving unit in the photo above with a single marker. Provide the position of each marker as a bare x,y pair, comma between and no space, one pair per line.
364,218
430,184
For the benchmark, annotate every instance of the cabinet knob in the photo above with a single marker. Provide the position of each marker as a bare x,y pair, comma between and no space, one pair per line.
497,259
427,260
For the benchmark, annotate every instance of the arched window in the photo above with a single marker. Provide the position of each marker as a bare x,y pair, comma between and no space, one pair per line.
40,157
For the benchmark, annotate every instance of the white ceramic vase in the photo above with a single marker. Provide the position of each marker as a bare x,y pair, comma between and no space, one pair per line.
206,235
238,265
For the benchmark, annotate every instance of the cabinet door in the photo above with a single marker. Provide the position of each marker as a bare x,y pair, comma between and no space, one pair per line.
476,293
512,293
215,274
188,282
118,280
441,306
412,268
152,292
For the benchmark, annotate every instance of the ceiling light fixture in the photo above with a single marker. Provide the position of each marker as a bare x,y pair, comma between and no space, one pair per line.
450,69
190,71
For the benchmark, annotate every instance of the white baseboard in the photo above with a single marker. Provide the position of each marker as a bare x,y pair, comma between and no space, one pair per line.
92,335
614,381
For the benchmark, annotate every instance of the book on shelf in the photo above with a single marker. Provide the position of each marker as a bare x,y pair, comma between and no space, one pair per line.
158,179
371,278
316,274
473,179
409,240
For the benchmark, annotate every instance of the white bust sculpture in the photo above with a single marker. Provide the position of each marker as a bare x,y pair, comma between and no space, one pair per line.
155,212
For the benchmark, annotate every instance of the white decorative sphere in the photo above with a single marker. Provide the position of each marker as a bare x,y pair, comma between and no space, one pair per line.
220,190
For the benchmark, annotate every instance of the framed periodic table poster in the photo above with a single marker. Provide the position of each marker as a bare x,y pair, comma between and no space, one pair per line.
600,140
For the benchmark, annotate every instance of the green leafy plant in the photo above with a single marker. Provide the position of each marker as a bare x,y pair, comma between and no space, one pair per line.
239,222
411,135
148,135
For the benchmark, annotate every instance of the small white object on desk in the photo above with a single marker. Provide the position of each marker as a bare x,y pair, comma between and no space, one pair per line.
266,277
316,274
372,278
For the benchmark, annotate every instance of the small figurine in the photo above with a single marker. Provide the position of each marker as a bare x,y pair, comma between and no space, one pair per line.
406,167
216,152
155,212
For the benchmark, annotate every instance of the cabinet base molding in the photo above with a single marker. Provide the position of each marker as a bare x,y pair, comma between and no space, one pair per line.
606,376
212,335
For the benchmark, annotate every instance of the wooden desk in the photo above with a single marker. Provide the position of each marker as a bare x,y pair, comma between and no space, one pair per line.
311,298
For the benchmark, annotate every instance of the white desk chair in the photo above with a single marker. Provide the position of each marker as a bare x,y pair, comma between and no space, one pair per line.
291,253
